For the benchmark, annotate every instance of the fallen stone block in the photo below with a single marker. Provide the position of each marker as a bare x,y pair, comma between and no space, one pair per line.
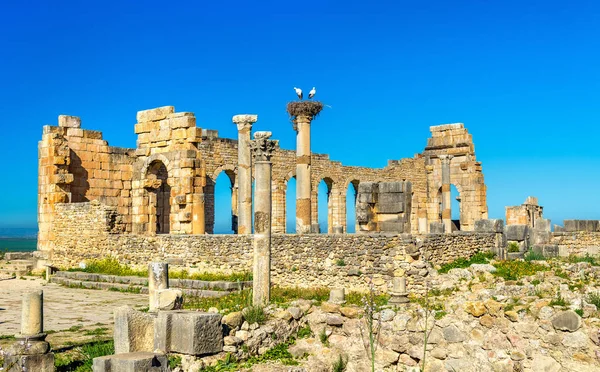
132,362
169,299
188,332
134,330
37,363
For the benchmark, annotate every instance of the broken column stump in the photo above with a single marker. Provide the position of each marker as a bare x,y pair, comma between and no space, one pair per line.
30,352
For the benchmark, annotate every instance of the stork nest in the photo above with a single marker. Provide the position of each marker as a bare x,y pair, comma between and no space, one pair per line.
304,108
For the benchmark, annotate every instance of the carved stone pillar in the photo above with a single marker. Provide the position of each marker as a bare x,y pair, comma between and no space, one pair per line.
244,176
303,182
262,150
198,214
446,196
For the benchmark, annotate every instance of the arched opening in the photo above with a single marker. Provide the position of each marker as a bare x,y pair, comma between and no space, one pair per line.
440,204
159,198
351,196
225,216
455,205
325,205
290,206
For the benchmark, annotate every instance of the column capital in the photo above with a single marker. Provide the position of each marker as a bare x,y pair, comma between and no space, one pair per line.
262,147
244,121
445,159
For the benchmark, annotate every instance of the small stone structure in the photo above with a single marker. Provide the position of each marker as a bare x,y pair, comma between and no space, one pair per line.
30,352
528,213
161,297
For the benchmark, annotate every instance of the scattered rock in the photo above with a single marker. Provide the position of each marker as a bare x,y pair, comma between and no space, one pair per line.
575,340
233,320
328,307
475,308
567,321
486,321
335,320
349,312
296,312
453,334
513,316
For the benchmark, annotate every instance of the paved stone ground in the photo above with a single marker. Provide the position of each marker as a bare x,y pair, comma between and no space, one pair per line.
63,307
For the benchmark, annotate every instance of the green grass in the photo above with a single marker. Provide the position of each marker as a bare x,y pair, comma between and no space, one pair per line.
459,263
594,261
174,361
278,353
340,364
515,270
559,300
280,296
323,337
594,298
82,361
75,328
340,262
112,266
534,256
305,332
255,314
96,332
579,312
7,337
513,247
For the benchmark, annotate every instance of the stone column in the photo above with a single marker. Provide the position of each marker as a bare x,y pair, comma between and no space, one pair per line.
262,149
32,315
303,182
446,196
158,279
198,221
244,176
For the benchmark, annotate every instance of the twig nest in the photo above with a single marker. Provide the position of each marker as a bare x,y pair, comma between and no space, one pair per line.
304,108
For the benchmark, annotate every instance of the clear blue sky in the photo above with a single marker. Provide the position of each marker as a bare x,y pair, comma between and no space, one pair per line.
522,75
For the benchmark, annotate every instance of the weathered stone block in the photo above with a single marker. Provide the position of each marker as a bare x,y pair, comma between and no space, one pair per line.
396,227
390,207
391,187
188,332
436,228
68,121
542,224
368,187
516,232
154,114
489,225
570,225
132,362
37,363
134,330
547,250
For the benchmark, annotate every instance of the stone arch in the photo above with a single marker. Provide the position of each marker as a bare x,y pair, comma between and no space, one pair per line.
209,197
152,158
291,211
158,194
349,214
330,199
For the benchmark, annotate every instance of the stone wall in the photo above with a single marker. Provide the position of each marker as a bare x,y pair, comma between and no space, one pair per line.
166,184
338,260
578,243
77,165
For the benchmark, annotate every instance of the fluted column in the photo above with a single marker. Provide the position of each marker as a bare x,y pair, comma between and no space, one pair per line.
244,176
446,196
303,183
262,150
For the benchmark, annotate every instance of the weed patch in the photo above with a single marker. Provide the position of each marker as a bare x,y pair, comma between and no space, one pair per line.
460,263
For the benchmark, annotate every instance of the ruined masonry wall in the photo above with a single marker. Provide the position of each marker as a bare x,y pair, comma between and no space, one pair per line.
298,260
578,243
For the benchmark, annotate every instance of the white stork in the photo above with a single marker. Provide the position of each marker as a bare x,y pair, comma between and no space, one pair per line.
298,92
312,93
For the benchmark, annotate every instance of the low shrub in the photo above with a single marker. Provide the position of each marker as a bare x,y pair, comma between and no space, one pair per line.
460,263
515,270
255,314
534,256
513,247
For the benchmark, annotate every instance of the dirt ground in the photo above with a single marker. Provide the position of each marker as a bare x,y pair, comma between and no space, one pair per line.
63,307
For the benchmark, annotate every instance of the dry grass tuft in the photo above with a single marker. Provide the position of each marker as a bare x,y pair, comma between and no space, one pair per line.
304,108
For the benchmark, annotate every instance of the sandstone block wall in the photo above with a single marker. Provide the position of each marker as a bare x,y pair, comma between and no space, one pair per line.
527,213
578,243
297,260
166,184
